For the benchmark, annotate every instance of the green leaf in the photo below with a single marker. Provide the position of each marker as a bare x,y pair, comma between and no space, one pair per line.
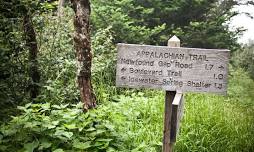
97,132
56,106
100,131
62,133
98,144
31,124
49,126
45,106
28,105
91,129
110,127
9,131
68,116
29,147
82,145
49,88
64,106
21,108
55,122
45,144
111,149
49,6
71,126
58,150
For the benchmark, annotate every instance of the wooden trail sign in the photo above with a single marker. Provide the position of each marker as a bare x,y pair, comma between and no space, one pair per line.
172,68
175,70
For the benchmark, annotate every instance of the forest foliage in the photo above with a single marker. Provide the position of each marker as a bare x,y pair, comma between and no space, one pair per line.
126,119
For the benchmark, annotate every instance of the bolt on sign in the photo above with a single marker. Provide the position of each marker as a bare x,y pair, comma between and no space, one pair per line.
172,68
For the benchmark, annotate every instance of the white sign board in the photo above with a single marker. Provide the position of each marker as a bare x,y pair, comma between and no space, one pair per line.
171,69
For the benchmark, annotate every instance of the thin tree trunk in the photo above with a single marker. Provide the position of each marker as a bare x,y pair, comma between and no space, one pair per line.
31,44
60,8
82,44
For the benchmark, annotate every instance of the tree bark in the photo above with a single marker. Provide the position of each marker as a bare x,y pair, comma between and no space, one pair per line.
82,44
60,8
31,44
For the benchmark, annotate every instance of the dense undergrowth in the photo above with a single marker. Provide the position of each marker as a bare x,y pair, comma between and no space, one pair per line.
134,122
125,119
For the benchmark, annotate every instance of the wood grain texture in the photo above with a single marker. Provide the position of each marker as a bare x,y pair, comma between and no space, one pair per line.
167,144
169,98
176,116
172,68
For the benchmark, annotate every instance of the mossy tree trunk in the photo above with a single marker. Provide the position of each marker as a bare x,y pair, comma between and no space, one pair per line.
31,44
82,44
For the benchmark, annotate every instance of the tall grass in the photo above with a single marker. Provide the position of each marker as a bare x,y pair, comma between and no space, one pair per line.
210,123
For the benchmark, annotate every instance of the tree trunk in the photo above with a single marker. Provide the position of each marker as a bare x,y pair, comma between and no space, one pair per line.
82,45
31,44
60,8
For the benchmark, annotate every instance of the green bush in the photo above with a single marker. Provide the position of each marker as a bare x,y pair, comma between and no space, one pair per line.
244,58
241,88
46,127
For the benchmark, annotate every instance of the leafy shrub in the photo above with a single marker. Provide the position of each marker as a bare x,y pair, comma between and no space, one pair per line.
104,64
46,127
57,58
241,88
245,58
14,63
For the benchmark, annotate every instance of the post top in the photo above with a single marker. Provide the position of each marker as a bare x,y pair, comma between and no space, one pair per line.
174,42
174,39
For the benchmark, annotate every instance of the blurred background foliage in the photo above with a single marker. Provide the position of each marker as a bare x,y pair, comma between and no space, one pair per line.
198,23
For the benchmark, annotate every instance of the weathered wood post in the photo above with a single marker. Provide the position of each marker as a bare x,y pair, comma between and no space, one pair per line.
167,145
176,116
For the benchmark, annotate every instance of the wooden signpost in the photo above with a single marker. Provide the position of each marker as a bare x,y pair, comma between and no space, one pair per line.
176,116
175,70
